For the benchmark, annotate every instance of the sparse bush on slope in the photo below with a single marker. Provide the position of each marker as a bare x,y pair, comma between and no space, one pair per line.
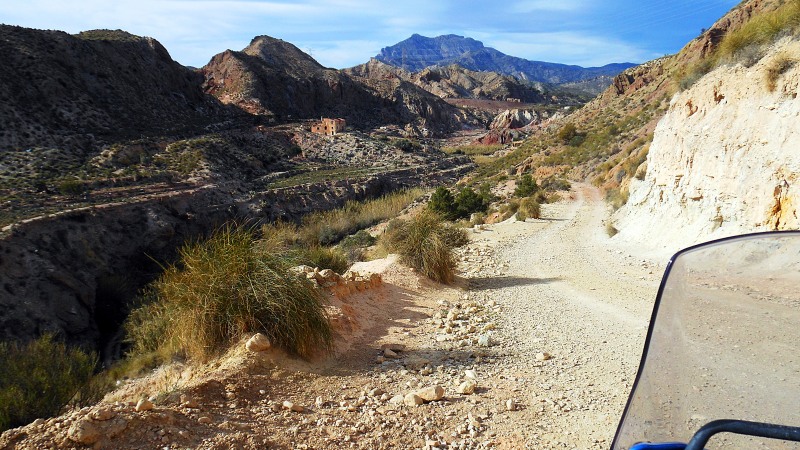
39,379
224,288
426,243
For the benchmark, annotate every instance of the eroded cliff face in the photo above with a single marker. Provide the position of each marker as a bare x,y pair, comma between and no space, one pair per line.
725,159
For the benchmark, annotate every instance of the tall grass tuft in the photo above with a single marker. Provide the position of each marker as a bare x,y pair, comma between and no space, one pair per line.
328,227
529,208
39,379
224,288
762,30
425,243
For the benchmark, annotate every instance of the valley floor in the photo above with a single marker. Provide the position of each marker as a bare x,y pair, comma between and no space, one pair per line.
548,319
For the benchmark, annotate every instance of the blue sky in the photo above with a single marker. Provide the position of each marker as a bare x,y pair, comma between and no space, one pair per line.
344,33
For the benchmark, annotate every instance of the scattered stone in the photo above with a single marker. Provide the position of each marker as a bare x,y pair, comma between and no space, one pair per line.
376,392
485,340
389,353
144,405
396,400
467,387
412,399
292,407
204,420
431,393
470,373
84,432
258,343
543,356
510,405
189,402
103,414
395,347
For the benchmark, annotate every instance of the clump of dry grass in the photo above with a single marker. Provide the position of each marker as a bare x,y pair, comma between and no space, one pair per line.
529,208
224,288
426,243
328,227
777,67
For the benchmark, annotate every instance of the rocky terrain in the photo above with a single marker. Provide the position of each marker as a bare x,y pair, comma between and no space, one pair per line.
78,269
308,90
419,52
533,349
456,82
77,92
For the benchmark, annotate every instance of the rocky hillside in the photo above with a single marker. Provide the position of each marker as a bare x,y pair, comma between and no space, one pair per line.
419,52
248,79
607,140
723,159
96,87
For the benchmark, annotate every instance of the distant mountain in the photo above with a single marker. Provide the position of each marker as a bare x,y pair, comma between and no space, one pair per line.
418,52
457,82
273,78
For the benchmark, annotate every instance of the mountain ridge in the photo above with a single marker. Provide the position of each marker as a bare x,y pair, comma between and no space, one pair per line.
419,52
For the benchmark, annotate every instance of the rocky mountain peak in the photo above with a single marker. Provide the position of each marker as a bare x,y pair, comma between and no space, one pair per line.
279,53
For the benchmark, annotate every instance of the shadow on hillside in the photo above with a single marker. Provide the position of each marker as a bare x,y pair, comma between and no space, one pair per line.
486,283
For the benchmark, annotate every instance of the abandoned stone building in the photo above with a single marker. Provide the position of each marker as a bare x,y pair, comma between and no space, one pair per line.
328,127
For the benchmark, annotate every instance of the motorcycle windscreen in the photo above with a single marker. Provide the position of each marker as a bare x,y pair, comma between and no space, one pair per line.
722,344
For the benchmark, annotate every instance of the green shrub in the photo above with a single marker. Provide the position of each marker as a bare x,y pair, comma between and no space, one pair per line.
39,379
567,133
324,258
529,208
617,197
467,202
443,203
224,288
407,145
761,30
526,186
361,239
424,244
554,183
71,188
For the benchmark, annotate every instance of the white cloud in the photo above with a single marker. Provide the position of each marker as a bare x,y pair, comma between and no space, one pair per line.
567,48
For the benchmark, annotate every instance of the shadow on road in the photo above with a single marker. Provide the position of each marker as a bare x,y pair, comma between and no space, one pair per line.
485,283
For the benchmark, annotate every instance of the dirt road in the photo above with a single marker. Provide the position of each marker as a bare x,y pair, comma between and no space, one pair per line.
568,291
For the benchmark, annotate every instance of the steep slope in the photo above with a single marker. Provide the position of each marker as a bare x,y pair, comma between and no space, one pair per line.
723,160
275,79
419,52
73,92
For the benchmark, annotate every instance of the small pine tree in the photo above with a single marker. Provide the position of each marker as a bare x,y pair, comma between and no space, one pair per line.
442,202
526,186
468,202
